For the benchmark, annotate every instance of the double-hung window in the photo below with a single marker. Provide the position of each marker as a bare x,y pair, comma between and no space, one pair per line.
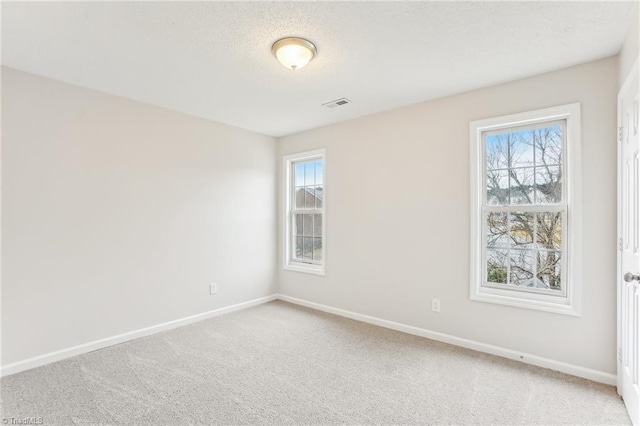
525,210
304,206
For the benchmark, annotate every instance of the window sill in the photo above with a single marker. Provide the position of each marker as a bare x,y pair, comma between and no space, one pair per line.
520,300
305,268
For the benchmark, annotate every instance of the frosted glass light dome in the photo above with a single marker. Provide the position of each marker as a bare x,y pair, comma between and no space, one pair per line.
293,52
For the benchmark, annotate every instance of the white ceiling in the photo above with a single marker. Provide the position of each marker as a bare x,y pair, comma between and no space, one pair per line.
213,60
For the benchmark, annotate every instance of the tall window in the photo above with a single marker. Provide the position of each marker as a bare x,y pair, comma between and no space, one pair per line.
525,214
305,204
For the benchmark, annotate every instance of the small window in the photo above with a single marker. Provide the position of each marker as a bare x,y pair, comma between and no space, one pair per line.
525,210
305,205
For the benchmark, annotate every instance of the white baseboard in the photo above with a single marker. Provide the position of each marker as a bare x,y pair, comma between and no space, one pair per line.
50,357
574,370
587,373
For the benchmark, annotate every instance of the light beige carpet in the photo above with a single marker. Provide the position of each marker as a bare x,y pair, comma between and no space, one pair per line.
285,365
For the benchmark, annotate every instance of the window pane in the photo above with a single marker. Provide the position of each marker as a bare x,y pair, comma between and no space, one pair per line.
496,152
498,187
310,197
497,266
298,172
307,226
298,247
309,174
521,185
319,173
307,248
521,230
319,197
520,148
549,230
497,230
549,269
548,185
317,225
317,249
300,192
521,264
548,145
297,229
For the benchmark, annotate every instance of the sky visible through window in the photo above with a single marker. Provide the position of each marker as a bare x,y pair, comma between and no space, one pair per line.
309,173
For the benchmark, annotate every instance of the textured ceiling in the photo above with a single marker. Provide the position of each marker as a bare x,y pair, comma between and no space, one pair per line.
213,60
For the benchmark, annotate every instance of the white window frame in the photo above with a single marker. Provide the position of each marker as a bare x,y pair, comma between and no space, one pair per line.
569,302
291,264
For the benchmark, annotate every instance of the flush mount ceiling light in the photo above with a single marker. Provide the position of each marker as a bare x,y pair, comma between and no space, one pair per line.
293,52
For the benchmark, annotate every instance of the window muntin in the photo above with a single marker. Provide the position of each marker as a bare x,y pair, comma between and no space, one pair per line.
305,219
524,209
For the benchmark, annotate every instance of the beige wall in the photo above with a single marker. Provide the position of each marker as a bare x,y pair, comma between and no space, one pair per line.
117,215
398,217
629,52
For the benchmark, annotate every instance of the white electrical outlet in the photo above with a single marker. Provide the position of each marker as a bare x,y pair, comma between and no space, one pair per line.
213,288
435,305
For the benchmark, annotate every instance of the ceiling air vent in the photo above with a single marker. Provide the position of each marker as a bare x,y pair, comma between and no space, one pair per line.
336,103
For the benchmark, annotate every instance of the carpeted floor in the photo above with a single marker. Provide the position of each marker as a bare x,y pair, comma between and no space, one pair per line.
282,364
